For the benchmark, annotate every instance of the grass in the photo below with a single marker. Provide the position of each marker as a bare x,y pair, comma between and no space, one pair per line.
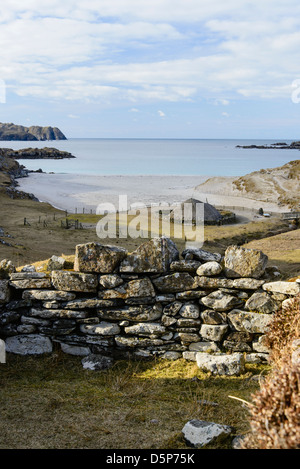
51,402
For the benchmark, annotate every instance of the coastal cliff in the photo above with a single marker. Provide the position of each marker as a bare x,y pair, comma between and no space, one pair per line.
19,132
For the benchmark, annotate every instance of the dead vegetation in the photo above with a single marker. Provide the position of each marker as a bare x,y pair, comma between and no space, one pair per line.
274,409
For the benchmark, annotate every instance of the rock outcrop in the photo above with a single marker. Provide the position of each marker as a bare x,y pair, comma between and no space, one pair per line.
19,132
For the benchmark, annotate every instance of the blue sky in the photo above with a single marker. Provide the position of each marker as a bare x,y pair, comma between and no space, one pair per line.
140,69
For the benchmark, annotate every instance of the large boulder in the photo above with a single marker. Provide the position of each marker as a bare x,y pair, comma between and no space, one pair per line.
154,256
242,262
96,257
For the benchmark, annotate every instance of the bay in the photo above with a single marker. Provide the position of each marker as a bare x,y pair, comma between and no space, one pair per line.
178,157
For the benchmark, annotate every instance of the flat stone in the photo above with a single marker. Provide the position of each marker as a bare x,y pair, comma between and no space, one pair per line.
185,266
132,313
154,256
287,288
176,282
146,329
57,313
102,328
247,283
31,283
74,281
96,257
205,346
199,433
213,283
27,275
30,344
245,262
75,350
223,364
245,321
48,295
88,303
201,255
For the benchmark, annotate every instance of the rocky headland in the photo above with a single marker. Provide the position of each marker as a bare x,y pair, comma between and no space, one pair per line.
11,169
10,131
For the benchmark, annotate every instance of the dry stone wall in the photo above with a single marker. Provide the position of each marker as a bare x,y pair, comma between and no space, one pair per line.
153,302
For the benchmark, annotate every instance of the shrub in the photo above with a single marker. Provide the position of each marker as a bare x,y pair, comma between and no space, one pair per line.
274,411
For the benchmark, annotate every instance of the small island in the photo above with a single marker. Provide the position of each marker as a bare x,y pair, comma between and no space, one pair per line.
34,133
279,146
35,153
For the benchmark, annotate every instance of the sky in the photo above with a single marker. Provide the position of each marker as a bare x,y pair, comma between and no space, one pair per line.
159,69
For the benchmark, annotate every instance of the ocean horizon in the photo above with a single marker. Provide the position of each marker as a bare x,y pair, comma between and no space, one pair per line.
178,157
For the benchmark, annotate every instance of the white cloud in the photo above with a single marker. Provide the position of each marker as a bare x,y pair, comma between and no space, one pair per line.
161,114
136,50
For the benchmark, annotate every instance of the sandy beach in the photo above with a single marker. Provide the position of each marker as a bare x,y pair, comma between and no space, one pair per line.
75,192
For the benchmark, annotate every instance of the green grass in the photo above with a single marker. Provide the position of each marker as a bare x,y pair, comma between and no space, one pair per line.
51,402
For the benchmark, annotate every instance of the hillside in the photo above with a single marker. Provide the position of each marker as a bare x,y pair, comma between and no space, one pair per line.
276,185
19,132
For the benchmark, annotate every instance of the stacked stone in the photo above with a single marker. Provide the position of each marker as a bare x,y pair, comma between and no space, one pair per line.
147,303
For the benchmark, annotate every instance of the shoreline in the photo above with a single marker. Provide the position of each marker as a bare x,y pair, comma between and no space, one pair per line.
78,192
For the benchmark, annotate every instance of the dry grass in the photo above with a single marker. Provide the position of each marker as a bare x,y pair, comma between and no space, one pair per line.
53,403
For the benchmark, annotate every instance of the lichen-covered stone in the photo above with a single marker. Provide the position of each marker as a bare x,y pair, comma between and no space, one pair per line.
201,255
223,364
31,283
56,263
209,268
31,344
154,256
48,295
147,329
213,333
185,266
110,280
220,301
74,281
176,282
245,262
102,328
96,257
190,310
249,322
287,288
261,303
4,291
132,313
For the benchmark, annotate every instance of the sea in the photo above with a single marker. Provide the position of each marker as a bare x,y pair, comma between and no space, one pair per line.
178,157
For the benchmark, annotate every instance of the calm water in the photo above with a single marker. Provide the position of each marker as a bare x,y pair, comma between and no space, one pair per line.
158,157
